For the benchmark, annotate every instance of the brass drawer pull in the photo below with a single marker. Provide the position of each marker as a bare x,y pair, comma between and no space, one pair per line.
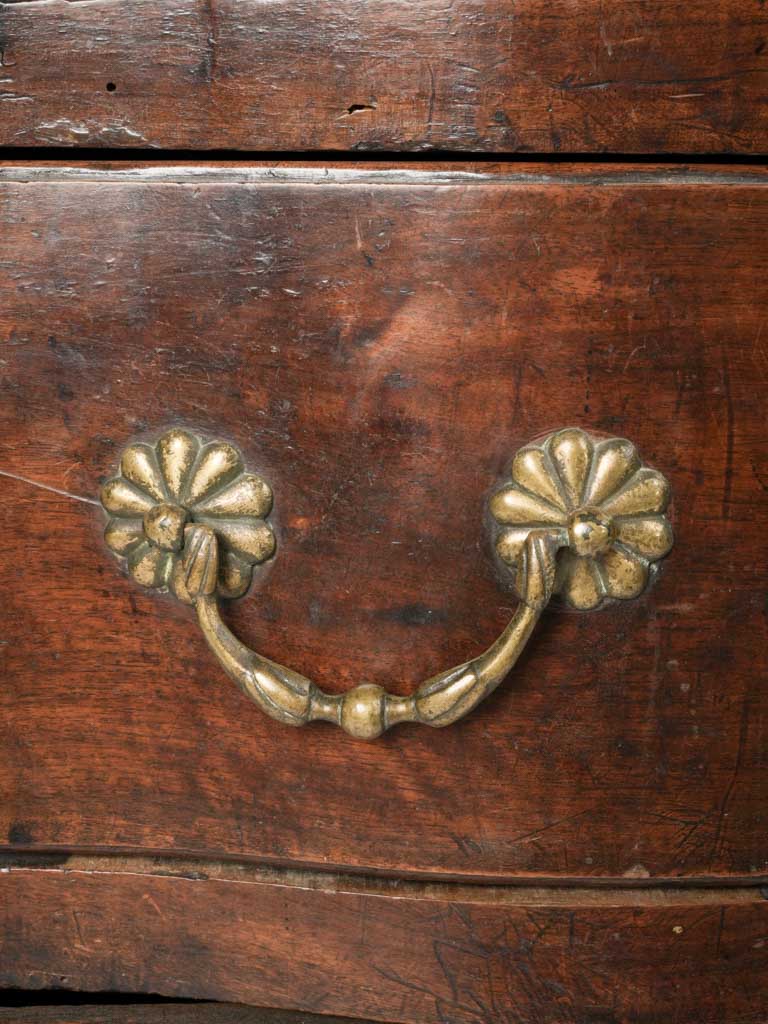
579,516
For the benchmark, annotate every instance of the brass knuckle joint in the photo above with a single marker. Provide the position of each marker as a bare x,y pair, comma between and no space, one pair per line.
579,517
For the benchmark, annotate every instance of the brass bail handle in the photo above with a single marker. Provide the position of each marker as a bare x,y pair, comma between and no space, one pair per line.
579,516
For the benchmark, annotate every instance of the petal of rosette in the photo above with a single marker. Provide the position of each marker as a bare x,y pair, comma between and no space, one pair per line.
123,535
510,542
122,498
625,575
250,539
234,575
649,536
579,581
139,465
149,565
248,495
217,465
533,470
571,452
515,507
645,493
613,463
176,453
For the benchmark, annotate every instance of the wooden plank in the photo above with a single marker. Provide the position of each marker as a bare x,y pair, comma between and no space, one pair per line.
380,348
475,75
157,1013
186,168
409,957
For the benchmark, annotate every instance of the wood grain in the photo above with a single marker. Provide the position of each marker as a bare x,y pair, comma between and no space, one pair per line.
379,349
474,75
421,961
159,1013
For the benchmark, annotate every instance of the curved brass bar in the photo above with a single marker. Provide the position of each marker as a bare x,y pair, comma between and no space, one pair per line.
366,711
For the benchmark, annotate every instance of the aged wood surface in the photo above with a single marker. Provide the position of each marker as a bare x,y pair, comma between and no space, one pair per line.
493,75
379,351
407,959
160,1013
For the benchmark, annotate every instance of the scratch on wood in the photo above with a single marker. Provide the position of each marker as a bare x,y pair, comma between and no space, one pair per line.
720,924
728,473
723,810
47,487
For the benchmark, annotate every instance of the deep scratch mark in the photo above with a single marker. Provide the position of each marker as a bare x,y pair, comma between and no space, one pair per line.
47,487
431,110
569,85
723,810
720,924
213,39
545,828
728,473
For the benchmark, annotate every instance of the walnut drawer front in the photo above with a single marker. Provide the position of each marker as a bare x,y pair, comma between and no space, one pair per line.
379,342
499,76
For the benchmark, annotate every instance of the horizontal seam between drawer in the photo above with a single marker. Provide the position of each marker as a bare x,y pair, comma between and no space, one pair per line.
608,891
262,177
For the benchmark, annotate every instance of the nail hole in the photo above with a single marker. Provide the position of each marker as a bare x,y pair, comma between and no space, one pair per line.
355,108
111,86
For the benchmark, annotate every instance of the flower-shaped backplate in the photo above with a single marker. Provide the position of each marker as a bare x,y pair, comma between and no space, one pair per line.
165,487
600,505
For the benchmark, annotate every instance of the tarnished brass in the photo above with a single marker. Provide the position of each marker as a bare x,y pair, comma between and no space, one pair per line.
162,488
580,516
594,500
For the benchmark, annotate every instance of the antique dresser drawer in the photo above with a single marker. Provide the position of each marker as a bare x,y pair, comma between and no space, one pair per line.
378,342
469,76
